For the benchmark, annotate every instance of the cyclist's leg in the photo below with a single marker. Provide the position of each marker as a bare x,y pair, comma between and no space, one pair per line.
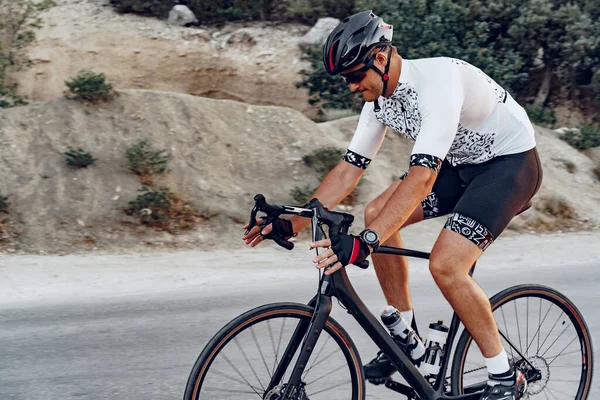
392,271
496,192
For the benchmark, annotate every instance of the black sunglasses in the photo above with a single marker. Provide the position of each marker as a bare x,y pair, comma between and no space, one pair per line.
359,74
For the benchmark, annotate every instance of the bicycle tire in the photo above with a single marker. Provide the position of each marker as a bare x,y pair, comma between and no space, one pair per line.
557,299
268,312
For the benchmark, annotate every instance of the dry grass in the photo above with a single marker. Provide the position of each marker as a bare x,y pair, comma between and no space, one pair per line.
556,207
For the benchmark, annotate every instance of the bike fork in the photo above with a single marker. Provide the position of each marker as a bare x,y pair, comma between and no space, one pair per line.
310,332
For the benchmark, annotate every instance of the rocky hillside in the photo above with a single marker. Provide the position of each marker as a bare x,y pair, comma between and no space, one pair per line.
253,63
227,142
222,153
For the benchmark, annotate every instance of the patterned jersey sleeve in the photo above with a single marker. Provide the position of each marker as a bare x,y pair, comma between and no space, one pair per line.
367,138
440,108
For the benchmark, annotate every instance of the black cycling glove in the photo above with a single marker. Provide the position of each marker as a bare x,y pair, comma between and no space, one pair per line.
349,249
281,232
281,227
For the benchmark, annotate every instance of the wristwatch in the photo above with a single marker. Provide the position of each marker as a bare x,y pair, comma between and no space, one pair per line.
371,238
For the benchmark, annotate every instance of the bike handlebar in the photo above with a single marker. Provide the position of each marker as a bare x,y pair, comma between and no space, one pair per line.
337,222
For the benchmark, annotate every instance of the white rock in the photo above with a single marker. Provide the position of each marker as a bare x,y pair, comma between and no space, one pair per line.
181,15
320,31
562,130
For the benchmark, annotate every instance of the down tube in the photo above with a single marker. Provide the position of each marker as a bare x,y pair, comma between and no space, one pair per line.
347,295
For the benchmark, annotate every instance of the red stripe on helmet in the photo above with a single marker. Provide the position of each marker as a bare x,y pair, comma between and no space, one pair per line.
331,66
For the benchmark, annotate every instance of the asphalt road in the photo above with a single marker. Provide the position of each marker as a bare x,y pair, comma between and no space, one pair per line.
141,344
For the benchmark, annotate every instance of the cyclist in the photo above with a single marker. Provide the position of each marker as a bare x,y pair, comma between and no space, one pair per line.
474,158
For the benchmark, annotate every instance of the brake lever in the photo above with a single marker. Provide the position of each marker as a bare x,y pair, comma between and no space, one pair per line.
252,222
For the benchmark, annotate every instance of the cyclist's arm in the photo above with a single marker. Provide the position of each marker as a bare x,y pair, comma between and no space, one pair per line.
341,180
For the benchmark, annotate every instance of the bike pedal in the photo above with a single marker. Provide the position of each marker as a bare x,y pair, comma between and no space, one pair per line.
378,381
400,388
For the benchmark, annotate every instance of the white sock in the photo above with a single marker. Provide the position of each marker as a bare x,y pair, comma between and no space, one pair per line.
407,316
497,365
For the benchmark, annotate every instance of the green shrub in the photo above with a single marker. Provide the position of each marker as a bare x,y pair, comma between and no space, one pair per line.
163,209
79,158
304,11
302,194
323,89
19,19
3,204
586,137
89,86
146,161
322,161
157,8
540,115
152,206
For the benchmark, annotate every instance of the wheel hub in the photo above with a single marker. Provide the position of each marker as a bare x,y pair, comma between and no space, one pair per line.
278,391
537,379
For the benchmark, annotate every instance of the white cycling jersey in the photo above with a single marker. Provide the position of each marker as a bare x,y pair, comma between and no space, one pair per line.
451,110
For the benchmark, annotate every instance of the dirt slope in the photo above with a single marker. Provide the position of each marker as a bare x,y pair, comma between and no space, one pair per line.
223,152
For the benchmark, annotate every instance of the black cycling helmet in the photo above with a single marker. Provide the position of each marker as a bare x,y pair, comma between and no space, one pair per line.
351,41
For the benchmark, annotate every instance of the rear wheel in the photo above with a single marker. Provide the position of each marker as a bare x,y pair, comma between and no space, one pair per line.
547,339
253,357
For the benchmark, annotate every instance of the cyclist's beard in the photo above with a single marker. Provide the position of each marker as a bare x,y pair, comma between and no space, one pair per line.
374,93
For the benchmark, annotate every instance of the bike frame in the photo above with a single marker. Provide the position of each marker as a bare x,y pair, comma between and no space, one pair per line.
338,285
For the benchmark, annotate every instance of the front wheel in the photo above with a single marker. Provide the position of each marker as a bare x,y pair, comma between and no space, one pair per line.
545,336
253,356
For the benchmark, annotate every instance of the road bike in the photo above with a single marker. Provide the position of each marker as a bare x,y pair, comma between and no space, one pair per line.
292,351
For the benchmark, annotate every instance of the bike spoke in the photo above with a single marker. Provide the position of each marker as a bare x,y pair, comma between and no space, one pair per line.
248,362
562,351
216,371
527,330
518,327
552,390
276,352
325,358
552,344
331,387
549,333
239,373
555,347
326,375
221,390
260,351
537,332
506,327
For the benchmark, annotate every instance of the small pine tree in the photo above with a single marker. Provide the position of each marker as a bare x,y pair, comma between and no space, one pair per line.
79,158
89,86
144,160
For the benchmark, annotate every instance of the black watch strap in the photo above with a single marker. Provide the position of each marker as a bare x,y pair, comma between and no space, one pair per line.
370,237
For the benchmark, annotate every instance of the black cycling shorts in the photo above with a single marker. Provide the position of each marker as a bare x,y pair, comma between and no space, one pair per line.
483,198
